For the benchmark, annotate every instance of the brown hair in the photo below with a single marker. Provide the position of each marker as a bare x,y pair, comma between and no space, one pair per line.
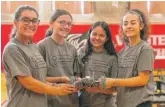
17,15
144,33
53,18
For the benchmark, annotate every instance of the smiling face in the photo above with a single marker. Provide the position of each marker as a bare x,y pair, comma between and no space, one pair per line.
98,37
27,23
131,25
62,25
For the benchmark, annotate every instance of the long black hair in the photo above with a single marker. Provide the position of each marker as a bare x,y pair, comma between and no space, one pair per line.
108,46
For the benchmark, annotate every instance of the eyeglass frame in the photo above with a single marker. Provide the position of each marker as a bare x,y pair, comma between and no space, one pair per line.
63,23
29,20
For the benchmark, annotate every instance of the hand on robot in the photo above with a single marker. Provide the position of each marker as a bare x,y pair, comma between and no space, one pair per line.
64,89
65,79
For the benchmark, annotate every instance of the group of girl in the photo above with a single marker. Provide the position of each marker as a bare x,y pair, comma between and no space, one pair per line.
34,71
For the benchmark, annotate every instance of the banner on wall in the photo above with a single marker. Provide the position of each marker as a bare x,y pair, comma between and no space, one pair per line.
156,41
78,38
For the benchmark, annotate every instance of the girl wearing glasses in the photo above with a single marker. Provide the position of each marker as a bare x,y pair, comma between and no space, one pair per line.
60,56
25,68
135,62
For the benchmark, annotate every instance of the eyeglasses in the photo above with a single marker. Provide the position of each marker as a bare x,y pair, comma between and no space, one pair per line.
27,21
63,23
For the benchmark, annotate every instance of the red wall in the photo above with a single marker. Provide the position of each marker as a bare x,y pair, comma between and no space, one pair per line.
157,30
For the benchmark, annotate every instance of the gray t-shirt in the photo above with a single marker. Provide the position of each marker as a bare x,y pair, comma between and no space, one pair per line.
23,60
132,60
97,65
61,61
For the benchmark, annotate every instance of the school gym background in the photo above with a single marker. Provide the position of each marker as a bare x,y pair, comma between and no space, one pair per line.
84,14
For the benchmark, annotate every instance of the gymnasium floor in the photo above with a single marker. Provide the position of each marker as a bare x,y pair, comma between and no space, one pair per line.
4,94
3,90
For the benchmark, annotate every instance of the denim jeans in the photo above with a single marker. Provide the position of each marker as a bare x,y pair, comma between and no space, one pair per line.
145,104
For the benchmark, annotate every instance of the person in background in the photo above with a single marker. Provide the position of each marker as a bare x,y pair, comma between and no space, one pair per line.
98,58
25,69
60,56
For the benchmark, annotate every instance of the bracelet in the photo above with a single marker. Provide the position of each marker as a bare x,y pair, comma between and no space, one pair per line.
103,83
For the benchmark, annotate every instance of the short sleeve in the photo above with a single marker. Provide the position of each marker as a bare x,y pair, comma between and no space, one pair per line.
42,50
15,64
146,60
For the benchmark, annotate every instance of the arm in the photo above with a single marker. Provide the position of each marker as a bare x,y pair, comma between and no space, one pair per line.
140,80
58,79
48,83
39,87
16,66
107,91
144,68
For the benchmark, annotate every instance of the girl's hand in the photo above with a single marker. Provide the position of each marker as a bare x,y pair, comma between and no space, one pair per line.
64,89
65,79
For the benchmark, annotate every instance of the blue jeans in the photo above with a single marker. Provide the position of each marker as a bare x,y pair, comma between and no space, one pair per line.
145,104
